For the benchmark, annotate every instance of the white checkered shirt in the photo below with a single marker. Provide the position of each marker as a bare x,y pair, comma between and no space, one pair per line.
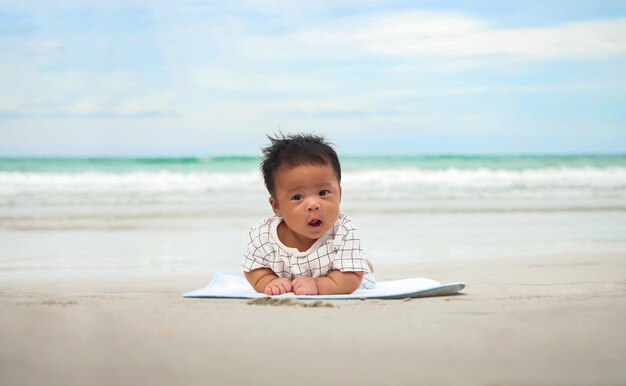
338,249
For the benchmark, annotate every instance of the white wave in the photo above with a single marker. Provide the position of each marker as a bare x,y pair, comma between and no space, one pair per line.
18,189
489,179
162,181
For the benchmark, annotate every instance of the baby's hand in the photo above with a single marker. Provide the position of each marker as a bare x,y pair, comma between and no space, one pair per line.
278,286
304,285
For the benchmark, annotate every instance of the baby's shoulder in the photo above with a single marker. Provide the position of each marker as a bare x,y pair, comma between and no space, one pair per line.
259,233
344,221
343,227
262,227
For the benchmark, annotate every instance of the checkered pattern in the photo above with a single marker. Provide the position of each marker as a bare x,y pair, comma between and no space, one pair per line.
339,249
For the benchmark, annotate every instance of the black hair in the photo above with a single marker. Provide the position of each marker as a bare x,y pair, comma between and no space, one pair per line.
295,150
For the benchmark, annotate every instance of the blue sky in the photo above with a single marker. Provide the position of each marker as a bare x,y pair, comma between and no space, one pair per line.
91,78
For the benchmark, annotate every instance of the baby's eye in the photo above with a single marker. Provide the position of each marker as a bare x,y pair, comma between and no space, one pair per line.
324,192
297,197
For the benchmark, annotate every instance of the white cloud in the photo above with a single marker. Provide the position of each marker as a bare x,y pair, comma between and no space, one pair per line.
527,88
229,80
160,102
78,93
11,103
445,35
291,8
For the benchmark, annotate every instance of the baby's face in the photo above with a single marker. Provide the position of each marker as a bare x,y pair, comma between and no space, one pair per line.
307,197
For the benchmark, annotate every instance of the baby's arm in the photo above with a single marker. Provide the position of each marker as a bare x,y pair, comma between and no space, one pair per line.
264,280
336,282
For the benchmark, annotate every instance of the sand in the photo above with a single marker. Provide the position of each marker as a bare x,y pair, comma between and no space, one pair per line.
555,320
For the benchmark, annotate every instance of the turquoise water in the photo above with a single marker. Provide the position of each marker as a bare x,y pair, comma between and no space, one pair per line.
349,163
125,165
500,162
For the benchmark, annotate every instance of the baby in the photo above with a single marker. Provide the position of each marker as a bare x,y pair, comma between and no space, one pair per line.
308,247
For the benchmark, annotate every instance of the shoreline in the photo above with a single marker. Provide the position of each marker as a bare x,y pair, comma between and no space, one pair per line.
549,320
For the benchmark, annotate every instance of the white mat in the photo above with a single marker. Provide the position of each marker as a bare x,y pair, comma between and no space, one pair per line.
234,286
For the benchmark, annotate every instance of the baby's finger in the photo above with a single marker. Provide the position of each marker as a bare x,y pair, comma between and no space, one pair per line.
274,290
286,286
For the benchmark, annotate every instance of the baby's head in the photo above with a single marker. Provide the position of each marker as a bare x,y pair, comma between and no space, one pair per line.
296,150
303,176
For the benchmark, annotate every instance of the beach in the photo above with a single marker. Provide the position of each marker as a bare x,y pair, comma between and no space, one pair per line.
554,320
480,145
96,254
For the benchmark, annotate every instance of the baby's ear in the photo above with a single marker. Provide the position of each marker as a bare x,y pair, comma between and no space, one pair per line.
274,205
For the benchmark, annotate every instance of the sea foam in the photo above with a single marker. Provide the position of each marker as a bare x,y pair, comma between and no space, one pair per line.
167,186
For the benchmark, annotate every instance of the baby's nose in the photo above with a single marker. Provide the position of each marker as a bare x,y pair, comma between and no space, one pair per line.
313,204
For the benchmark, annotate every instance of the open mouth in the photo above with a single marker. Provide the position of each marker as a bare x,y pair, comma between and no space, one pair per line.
315,223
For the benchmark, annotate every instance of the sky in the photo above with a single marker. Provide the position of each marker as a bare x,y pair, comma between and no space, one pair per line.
172,78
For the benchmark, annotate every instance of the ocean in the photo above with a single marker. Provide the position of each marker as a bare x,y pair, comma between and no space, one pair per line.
154,215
